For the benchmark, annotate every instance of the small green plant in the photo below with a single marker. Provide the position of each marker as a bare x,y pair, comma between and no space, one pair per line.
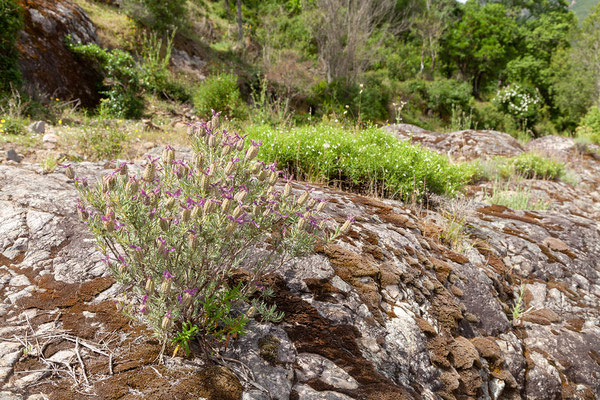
12,126
183,338
101,140
518,198
174,235
50,163
531,165
219,92
589,126
519,307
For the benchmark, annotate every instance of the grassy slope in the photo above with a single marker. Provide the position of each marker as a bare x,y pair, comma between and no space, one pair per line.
583,7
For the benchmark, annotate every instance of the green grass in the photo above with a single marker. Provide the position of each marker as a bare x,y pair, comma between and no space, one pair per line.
518,198
525,165
369,161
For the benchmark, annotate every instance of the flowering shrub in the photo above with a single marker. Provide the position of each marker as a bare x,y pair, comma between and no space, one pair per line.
520,102
173,236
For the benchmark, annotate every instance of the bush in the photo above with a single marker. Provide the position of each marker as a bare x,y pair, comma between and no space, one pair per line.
534,166
370,161
161,15
102,140
12,126
589,126
219,92
11,21
520,102
174,236
123,80
364,102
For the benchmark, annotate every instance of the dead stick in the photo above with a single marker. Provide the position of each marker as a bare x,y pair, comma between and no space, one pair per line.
81,362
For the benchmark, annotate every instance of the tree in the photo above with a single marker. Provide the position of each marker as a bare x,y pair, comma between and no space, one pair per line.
482,42
429,26
11,21
343,29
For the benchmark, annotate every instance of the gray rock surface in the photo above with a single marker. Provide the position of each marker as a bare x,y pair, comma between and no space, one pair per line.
389,312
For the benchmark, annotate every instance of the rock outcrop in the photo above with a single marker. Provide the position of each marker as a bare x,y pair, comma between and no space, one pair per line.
390,312
48,67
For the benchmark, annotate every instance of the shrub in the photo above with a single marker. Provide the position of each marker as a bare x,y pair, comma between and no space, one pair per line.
532,165
101,141
124,88
370,161
589,126
520,102
161,15
11,21
364,102
174,235
440,96
12,126
219,92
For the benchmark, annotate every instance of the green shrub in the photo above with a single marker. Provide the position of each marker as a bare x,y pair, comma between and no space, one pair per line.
521,102
101,140
439,97
517,198
365,102
175,235
161,15
589,126
535,166
369,161
219,92
123,79
12,126
11,21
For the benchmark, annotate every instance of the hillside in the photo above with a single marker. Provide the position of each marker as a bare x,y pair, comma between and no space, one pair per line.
583,7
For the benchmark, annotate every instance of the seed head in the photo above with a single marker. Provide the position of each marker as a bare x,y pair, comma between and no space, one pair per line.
311,203
149,172
273,178
124,170
346,227
122,268
302,199
287,190
225,205
262,175
164,224
226,150
229,168
193,241
149,286
165,287
186,214
170,203
256,168
212,141
170,156
240,196
252,153
321,206
204,182
187,300
230,228
209,207
196,212
301,223
132,186
166,322
237,212
239,145
69,172
198,160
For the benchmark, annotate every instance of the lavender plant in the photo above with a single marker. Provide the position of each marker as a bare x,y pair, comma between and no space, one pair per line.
174,235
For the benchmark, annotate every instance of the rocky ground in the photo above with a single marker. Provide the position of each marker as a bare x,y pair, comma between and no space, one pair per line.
390,312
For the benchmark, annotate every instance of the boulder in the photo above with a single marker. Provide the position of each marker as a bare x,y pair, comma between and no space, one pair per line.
48,67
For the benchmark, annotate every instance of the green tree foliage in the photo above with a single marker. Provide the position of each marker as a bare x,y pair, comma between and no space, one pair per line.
481,43
11,22
161,15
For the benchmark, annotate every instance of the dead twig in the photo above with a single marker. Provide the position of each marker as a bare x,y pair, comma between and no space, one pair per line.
81,362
